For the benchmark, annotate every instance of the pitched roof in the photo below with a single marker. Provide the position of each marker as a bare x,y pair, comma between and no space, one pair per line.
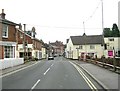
81,40
5,21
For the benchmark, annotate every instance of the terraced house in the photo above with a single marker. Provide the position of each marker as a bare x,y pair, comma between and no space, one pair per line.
8,42
28,45
24,43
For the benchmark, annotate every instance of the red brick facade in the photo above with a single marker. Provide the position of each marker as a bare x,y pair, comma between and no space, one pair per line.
58,47
0,40
10,38
37,44
20,37
11,34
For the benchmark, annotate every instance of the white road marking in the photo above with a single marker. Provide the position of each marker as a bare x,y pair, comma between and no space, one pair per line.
35,85
18,70
52,65
46,71
91,85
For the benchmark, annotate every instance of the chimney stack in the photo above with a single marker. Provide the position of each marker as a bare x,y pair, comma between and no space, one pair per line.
2,15
20,26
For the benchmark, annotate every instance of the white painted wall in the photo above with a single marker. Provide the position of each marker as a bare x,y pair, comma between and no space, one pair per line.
69,49
38,55
20,46
86,48
10,62
43,53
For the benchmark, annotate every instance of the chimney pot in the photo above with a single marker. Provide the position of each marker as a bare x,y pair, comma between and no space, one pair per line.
2,15
2,10
20,26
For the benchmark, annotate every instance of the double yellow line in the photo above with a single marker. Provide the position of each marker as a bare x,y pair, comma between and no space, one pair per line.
88,81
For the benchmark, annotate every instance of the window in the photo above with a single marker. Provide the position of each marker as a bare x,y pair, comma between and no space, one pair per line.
8,52
81,47
92,47
36,54
70,48
111,39
21,35
5,31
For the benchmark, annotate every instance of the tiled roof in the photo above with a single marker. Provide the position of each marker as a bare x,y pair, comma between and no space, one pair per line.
81,40
5,21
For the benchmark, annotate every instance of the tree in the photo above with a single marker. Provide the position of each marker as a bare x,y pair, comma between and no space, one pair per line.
107,32
115,31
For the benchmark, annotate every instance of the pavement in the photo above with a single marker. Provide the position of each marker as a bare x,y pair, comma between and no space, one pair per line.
11,69
106,78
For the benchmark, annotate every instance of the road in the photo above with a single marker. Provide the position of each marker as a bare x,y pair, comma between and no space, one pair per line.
59,73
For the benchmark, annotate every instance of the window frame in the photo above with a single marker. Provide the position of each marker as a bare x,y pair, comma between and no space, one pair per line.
92,47
3,30
80,47
8,52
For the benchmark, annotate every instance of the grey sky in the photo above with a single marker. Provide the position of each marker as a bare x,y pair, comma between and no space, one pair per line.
59,19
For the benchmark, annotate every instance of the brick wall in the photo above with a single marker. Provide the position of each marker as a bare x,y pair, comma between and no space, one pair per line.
11,34
0,40
37,44
20,36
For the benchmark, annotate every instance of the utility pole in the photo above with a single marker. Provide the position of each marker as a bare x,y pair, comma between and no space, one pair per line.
84,35
102,24
102,17
84,26
24,41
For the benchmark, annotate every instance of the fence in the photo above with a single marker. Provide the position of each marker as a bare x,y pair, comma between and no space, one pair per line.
5,63
109,63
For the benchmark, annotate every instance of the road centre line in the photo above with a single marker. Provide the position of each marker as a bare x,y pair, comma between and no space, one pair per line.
35,85
52,65
12,72
91,85
46,71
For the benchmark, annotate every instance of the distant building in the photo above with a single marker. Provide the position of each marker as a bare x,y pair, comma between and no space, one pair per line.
58,47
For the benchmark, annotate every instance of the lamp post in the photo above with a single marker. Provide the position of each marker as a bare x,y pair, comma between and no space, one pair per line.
24,42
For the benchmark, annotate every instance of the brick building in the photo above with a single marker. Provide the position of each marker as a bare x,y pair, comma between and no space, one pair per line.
7,37
8,43
58,47
24,44
28,45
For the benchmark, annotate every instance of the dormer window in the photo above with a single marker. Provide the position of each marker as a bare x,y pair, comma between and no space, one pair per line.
5,31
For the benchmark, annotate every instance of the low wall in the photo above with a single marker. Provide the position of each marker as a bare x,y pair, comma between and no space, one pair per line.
5,63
